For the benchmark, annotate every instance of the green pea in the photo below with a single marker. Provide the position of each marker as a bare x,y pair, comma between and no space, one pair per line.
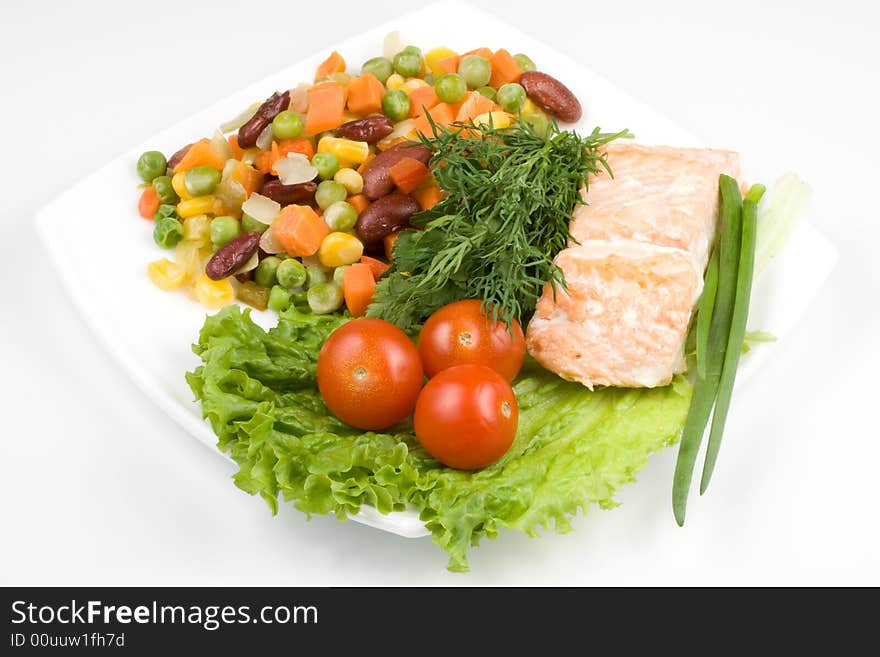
251,225
287,125
524,62
339,274
151,165
408,62
165,210
291,273
327,165
450,87
167,232
224,229
340,216
164,190
325,298
539,122
475,70
265,273
488,92
395,105
315,275
201,181
279,299
511,97
380,67
329,192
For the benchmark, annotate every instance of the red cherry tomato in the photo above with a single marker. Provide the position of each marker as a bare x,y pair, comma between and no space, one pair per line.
369,374
459,333
466,416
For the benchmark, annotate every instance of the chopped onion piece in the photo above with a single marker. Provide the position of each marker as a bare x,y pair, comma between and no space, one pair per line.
264,141
295,169
392,45
401,131
252,263
250,154
231,194
234,124
299,99
228,168
269,243
261,208
218,141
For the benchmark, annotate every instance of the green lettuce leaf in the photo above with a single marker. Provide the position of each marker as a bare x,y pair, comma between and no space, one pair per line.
574,448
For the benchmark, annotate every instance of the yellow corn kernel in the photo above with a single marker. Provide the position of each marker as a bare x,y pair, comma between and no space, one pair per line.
338,249
530,109
195,206
394,81
347,151
350,179
166,275
499,119
433,57
213,294
197,229
412,84
179,185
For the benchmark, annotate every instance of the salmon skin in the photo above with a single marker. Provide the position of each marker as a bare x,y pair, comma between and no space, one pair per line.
634,270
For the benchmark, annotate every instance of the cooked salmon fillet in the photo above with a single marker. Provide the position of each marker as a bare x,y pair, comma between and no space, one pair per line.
634,270
660,195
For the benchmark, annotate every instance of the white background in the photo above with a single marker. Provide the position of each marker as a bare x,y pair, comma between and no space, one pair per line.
98,487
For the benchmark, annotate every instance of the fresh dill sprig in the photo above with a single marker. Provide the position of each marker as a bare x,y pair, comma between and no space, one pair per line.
510,195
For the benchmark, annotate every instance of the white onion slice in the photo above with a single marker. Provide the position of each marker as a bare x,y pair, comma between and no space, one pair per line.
295,169
252,263
261,208
299,98
228,168
234,124
264,141
218,141
269,243
392,45
400,131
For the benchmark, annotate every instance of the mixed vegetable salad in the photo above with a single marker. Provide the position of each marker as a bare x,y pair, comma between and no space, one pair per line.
402,220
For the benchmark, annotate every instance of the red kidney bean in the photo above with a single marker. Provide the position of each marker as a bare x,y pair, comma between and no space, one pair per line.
300,194
248,133
232,255
377,183
551,95
370,129
385,216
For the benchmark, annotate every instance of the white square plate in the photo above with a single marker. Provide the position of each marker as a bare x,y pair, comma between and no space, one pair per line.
101,250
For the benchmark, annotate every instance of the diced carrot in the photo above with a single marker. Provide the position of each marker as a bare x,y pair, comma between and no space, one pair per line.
504,69
365,94
264,162
326,107
449,64
333,64
441,114
359,201
237,151
474,104
148,203
428,197
200,153
248,177
296,145
421,98
388,243
482,52
364,164
300,230
407,173
376,266
358,288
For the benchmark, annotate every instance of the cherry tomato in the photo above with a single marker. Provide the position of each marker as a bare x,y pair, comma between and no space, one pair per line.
466,416
460,333
369,374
